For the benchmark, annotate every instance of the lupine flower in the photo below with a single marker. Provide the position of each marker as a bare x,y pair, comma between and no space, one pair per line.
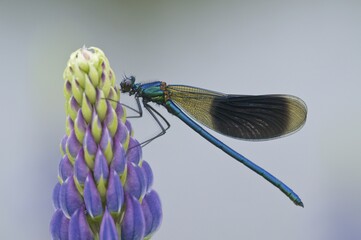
104,189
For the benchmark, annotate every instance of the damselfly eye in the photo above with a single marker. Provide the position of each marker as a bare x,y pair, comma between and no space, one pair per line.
127,84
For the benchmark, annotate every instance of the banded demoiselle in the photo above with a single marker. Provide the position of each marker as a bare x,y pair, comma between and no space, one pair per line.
244,117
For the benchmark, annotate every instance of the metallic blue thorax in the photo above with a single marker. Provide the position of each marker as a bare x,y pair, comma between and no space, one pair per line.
150,92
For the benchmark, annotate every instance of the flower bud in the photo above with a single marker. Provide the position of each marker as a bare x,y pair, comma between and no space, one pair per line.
104,189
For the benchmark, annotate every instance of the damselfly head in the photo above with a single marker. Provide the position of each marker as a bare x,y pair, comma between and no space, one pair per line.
127,84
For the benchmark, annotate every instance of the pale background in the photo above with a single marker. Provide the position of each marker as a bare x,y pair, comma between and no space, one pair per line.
311,49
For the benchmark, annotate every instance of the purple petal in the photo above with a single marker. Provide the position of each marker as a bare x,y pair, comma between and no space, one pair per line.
90,148
129,126
74,104
119,111
134,153
106,144
119,159
152,210
80,121
59,226
63,144
81,169
67,89
103,77
65,168
101,169
73,108
114,96
70,199
89,141
106,138
77,91
78,227
92,198
148,174
133,225
69,125
135,183
115,193
111,120
56,192
80,126
121,134
73,146
108,231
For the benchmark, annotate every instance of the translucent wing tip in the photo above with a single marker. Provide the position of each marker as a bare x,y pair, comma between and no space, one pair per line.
296,114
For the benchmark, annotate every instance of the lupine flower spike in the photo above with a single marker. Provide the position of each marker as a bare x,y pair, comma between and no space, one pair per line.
104,189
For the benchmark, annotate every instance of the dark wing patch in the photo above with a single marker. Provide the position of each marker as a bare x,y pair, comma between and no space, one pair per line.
258,117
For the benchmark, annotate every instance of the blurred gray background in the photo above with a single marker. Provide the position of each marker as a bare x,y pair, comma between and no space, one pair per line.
311,49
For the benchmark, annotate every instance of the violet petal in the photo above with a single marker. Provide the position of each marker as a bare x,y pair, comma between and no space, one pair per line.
73,108
72,146
78,227
119,158
92,198
113,94
59,226
101,169
119,111
121,134
69,125
108,231
111,120
115,193
80,126
81,169
129,127
56,192
148,174
134,153
63,144
90,148
133,225
67,89
65,168
152,210
76,90
135,183
70,199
